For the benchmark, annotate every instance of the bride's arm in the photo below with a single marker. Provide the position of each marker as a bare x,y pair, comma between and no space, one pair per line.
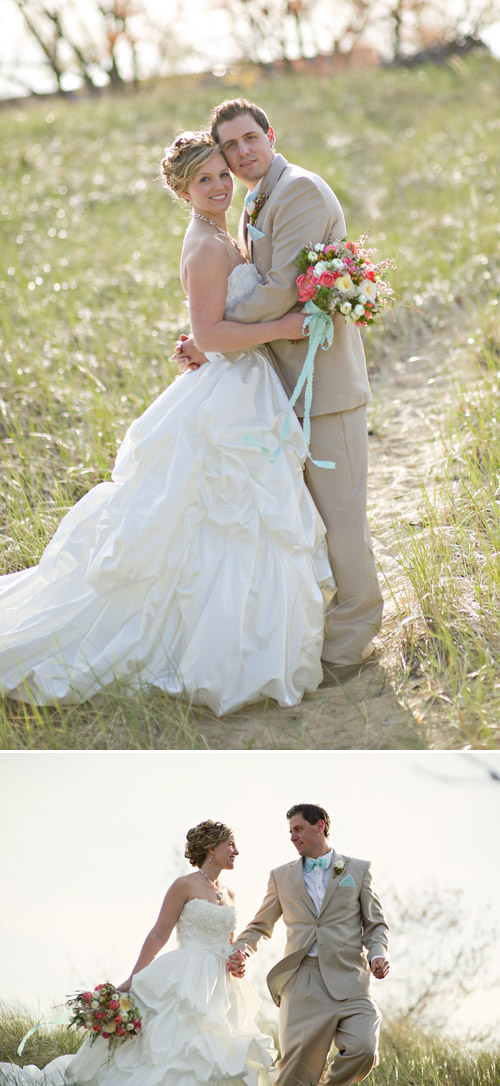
173,904
206,274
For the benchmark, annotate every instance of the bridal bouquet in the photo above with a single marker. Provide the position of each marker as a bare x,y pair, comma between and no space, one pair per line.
338,277
341,278
106,1013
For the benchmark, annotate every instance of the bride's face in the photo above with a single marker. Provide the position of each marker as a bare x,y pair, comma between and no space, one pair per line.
211,189
226,853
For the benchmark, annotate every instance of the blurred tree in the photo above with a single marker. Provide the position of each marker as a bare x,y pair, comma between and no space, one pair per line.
104,47
413,26
269,30
440,956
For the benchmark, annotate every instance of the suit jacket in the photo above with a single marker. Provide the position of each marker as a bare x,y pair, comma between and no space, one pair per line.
299,208
350,923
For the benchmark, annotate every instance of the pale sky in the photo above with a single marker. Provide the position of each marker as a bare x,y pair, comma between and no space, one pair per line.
91,841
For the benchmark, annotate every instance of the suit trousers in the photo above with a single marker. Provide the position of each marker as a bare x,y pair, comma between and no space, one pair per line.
310,1019
340,494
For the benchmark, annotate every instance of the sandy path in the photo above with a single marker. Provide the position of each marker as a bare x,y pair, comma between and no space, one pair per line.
368,712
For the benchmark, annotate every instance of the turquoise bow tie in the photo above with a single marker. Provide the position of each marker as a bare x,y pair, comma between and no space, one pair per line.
320,862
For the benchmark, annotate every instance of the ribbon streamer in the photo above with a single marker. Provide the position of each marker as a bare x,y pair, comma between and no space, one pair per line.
63,1020
321,331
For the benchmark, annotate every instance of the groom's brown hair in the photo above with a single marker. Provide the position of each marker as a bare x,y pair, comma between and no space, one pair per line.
312,814
232,108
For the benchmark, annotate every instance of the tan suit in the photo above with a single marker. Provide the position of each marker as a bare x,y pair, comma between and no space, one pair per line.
300,207
326,997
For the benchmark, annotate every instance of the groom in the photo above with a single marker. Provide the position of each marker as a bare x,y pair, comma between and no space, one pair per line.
291,207
336,936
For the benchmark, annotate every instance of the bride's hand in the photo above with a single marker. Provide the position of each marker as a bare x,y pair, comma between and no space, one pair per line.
292,324
125,987
187,355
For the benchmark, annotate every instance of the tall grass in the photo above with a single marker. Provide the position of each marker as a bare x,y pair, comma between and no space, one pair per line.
407,1058
90,306
451,613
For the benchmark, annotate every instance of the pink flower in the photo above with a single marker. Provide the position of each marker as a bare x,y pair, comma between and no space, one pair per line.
326,279
330,249
306,287
114,1004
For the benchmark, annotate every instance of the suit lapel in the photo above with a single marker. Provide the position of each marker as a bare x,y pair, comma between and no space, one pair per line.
299,886
266,186
278,165
334,880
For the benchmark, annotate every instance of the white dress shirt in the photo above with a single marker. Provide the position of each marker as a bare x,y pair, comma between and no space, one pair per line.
316,883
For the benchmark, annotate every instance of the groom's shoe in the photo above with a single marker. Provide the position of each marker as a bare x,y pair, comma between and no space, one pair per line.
337,674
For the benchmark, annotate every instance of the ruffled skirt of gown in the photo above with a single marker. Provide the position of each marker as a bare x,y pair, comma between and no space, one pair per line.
198,569
198,1029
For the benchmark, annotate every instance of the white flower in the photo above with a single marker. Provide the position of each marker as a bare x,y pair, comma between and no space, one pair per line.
345,308
319,247
321,266
336,264
339,865
312,257
359,310
344,283
369,289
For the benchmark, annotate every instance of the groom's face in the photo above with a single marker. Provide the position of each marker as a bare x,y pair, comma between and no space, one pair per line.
248,150
308,840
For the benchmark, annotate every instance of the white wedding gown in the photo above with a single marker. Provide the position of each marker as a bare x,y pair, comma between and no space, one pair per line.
198,569
198,1022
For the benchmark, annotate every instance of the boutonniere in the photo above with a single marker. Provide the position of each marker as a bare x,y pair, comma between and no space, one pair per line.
339,865
256,205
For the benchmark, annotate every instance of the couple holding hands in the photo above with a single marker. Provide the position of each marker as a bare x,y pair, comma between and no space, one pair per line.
198,1011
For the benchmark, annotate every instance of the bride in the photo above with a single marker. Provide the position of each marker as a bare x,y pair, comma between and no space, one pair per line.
198,1021
200,567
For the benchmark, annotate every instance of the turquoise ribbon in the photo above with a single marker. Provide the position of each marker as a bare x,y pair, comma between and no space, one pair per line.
320,326
63,1020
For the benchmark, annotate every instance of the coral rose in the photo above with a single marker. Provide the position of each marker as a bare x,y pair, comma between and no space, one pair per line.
306,288
326,279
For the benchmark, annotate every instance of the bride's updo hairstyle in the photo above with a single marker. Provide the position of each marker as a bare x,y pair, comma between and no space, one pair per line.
203,837
183,160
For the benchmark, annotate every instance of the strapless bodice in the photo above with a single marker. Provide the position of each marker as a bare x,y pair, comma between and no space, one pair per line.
204,924
241,283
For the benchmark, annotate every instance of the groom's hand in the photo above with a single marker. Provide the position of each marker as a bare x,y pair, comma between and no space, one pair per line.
187,355
379,967
236,963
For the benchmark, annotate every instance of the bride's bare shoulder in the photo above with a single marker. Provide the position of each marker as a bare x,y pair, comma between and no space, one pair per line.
203,252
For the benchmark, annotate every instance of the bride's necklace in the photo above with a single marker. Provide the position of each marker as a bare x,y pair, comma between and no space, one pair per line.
220,229
218,893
